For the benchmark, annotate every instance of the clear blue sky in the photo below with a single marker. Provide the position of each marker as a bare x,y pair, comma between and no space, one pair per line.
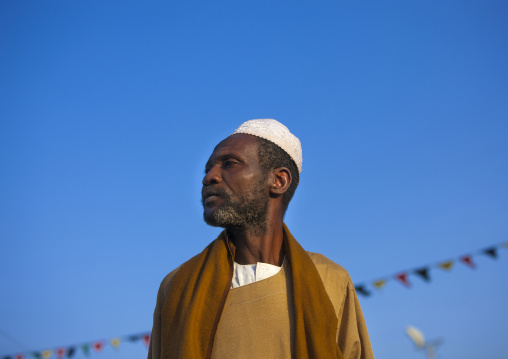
109,111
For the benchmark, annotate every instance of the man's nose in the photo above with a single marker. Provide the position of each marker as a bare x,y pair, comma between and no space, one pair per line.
212,176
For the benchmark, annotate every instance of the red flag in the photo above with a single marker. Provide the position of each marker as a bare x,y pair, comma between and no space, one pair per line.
60,352
97,346
467,260
20,356
146,339
402,277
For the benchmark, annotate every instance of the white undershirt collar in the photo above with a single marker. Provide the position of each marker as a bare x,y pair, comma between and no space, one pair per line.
244,274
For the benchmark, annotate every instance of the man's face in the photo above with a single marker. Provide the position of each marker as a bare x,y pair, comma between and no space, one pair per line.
235,191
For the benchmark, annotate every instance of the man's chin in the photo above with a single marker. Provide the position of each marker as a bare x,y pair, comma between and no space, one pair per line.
213,223
221,217
211,220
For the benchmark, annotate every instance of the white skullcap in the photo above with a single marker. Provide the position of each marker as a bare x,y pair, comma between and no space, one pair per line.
275,132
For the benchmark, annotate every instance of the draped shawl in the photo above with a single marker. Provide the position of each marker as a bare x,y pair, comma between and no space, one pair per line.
198,292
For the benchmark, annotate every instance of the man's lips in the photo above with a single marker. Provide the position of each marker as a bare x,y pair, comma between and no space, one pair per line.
209,196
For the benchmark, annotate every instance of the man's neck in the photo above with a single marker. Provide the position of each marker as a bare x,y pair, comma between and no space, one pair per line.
255,246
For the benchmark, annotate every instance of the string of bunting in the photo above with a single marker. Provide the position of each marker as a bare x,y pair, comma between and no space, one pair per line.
71,350
424,271
401,277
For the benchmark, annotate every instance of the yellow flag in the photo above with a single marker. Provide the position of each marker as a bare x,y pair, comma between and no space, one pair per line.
47,353
379,283
446,265
115,342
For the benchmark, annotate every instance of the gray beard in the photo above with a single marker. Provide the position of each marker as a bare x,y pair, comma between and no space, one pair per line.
249,213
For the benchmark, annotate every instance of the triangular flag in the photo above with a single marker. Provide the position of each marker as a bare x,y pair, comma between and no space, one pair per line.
402,277
36,354
60,352
361,289
146,339
446,265
506,245
71,351
492,252
46,354
467,260
86,349
7,357
97,346
115,342
133,338
424,273
379,283
20,356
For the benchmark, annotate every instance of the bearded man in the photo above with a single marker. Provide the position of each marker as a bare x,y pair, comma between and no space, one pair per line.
254,292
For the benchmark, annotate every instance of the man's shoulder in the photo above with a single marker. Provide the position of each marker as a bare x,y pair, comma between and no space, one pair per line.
321,260
167,279
190,263
166,283
330,272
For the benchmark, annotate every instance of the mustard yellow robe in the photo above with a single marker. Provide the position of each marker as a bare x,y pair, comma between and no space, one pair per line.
258,319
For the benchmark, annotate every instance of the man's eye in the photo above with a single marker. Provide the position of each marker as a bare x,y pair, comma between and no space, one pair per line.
229,163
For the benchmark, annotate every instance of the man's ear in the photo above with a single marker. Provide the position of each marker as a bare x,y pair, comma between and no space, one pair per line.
281,180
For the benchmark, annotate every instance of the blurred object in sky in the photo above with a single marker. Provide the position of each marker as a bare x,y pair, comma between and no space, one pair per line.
416,336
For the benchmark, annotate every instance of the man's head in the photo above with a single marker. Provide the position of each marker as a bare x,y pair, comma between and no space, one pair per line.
249,173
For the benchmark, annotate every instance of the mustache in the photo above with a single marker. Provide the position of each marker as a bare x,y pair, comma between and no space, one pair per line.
207,192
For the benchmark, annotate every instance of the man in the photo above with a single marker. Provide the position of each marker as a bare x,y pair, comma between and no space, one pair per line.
254,292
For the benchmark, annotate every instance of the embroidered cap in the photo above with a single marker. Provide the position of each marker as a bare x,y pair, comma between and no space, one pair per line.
275,132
